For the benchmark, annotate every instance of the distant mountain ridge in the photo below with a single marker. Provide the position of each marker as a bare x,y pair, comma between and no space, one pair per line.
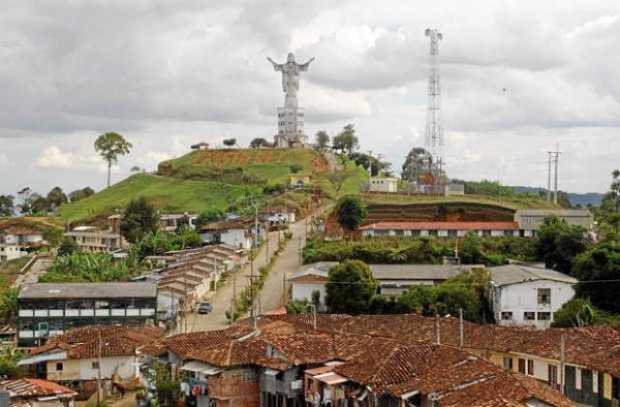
584,199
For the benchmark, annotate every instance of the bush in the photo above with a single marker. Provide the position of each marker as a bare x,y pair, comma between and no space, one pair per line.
351,212
350,287
68,247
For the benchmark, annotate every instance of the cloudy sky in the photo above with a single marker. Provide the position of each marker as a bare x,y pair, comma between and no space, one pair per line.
170,73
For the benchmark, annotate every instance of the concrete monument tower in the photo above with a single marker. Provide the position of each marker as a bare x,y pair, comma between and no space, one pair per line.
291,116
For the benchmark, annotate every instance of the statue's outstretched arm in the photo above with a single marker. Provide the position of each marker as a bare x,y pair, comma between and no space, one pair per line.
276,66
304,67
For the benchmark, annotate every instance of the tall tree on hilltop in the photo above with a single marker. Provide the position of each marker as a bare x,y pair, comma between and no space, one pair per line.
110,146
416,164
346,140
55,198
322,140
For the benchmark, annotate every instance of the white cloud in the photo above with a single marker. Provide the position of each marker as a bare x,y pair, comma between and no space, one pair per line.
54,157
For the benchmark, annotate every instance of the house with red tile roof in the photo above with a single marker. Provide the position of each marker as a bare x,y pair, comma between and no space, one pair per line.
289,361
37,392
83,354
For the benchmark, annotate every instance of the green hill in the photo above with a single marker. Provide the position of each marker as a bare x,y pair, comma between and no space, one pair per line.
243,166
217,179
168,194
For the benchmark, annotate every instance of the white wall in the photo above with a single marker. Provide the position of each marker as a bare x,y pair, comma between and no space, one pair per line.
122,365
303,291
523,297
235,238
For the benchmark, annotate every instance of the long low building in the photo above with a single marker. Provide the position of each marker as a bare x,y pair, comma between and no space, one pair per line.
440,229
393,279
48,309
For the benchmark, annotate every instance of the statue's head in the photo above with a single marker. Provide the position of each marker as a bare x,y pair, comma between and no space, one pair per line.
290,57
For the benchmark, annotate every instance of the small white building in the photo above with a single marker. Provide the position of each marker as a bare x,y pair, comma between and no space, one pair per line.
383,184
20,235
10,252
530,220
234,234
95,240
169,222
528,295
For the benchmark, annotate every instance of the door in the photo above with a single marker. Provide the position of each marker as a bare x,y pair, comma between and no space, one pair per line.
586,387
569,383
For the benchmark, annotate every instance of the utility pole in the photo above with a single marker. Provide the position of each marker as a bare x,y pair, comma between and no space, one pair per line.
554,156
299,248
461,334
549,176
99,366
437,334
562,362
284,289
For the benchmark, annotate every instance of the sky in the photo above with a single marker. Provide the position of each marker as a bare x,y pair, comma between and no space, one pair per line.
518,78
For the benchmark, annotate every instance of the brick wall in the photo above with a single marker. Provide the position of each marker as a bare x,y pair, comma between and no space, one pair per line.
235,388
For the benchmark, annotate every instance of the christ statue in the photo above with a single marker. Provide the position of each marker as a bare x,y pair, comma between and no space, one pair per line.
290,77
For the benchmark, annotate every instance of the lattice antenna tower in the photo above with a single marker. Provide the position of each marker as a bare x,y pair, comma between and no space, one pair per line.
433,140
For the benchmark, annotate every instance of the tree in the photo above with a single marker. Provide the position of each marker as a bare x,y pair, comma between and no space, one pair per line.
416,164
110,146
351,212
259,142
350,287
346,140
295,168
140,218
205,217
38,204
471,253
316,299
81,194
322,140
55,198
168,388
598,272
7,205
67,247
229,142
557,243
576,313
8,303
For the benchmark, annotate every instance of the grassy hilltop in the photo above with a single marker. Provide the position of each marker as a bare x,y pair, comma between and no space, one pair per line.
217,179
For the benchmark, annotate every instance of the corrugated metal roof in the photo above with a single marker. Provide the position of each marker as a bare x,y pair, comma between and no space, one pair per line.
518,273
89,290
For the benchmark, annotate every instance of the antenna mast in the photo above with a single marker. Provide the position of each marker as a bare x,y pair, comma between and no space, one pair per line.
433,140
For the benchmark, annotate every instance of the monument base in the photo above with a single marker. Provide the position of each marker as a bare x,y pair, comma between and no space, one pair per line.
290,141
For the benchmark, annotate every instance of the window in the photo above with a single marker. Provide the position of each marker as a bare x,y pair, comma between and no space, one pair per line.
507,315
95,364
530,367
552,375
507,363
544,296
59,367
529,316
544,316
521,365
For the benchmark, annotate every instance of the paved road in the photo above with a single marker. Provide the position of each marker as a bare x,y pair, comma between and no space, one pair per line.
221,299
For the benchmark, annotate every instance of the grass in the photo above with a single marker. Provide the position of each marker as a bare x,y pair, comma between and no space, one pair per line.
515,202
10,270
167,194
242,166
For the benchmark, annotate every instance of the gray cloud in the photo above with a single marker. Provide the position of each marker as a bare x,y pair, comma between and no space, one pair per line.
167,73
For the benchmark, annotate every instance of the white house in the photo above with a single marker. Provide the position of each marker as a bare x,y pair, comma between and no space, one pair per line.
528,295
21,235
393,279
234,234
169,222
75,355
10,252
383,184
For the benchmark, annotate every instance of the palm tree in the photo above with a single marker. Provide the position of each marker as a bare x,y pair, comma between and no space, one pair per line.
110,146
